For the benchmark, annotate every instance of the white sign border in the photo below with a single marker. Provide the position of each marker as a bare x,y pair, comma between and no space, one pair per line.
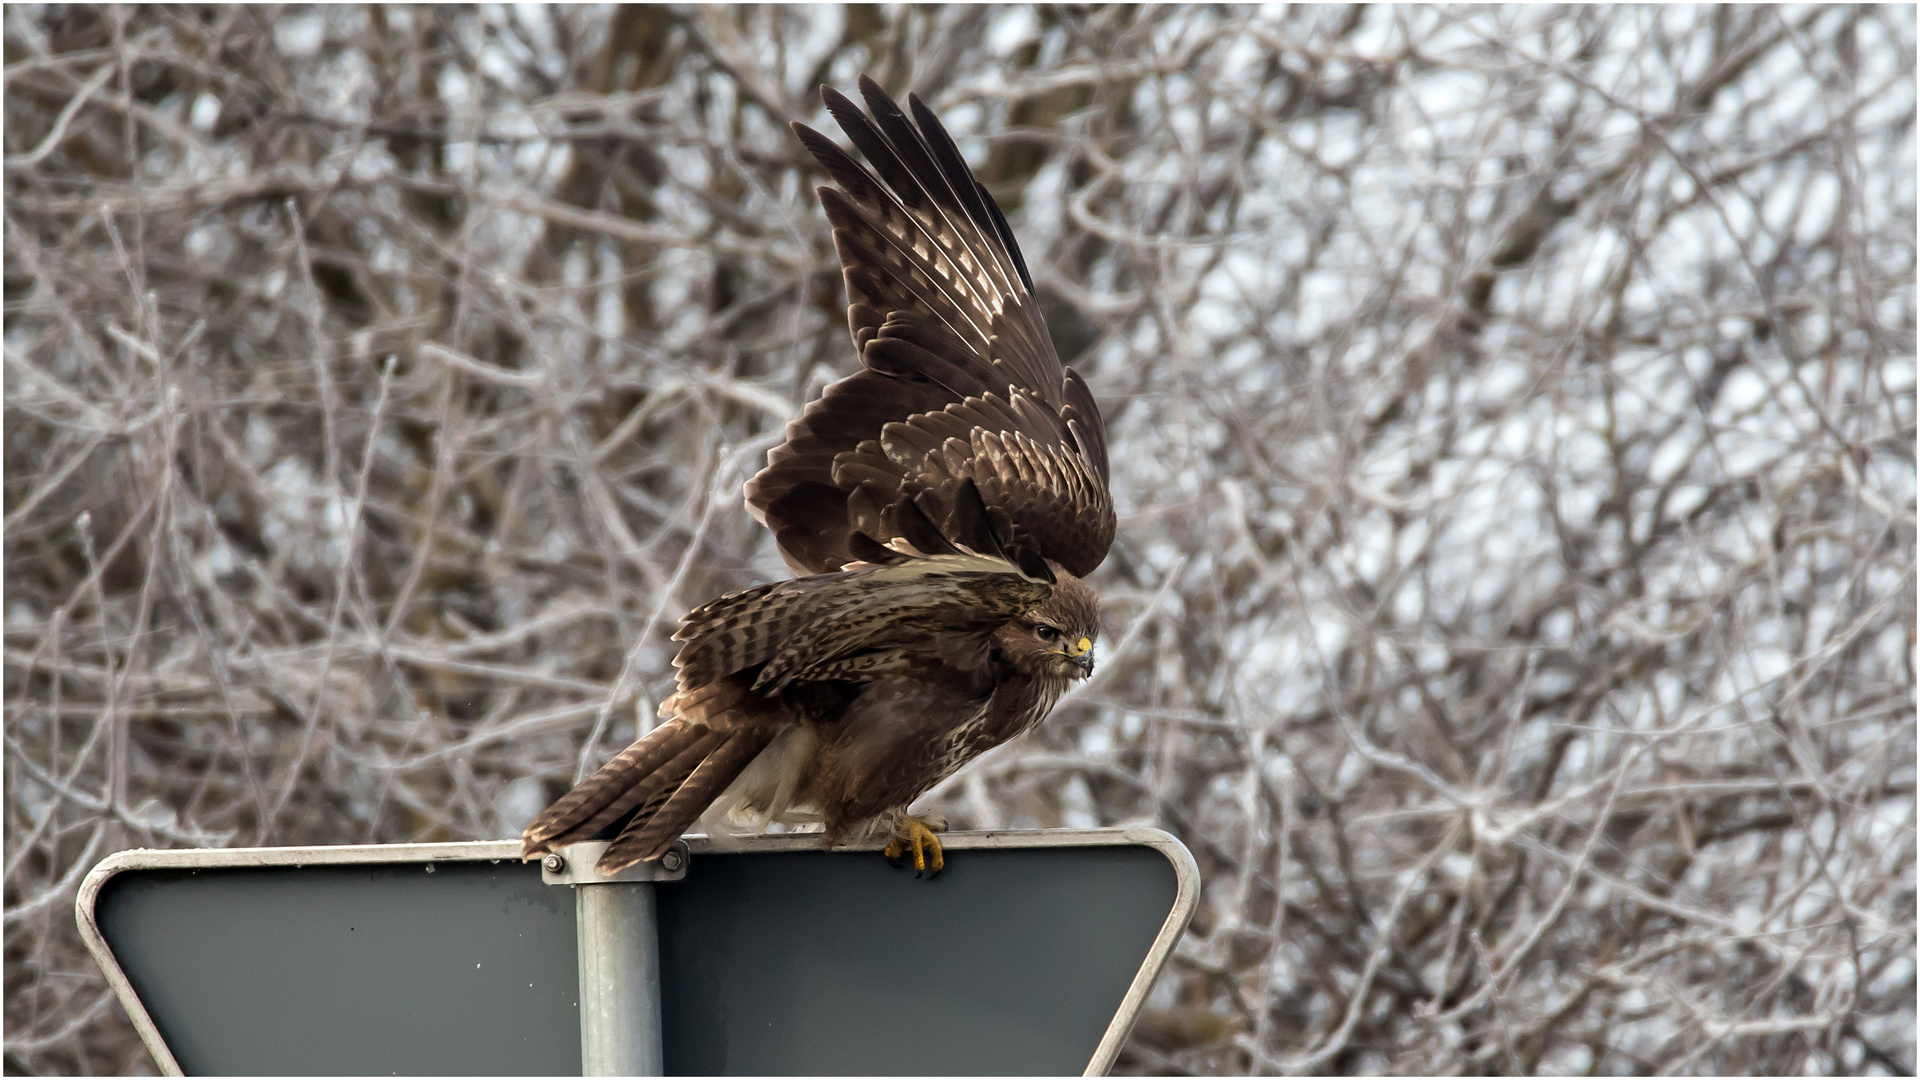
1186,896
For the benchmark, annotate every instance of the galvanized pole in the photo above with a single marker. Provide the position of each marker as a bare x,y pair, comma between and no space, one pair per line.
619,981
619,954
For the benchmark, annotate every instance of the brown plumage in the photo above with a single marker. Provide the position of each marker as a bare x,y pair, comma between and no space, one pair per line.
943,504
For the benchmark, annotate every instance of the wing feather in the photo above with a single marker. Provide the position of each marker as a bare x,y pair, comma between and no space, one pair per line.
941,307
818,627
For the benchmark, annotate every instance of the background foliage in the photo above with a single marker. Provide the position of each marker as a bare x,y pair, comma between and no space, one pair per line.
1514,421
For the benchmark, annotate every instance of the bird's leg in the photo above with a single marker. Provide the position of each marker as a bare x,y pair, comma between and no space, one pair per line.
917,835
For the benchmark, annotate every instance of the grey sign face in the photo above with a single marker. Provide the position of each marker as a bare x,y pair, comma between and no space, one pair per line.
1030,954
351,970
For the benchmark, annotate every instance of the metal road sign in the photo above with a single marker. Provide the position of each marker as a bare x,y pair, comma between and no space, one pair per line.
1031,953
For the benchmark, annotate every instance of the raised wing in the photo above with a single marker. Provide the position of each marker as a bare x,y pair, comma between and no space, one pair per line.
959,378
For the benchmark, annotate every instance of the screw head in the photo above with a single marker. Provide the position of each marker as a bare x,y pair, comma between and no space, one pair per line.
553,864
673,860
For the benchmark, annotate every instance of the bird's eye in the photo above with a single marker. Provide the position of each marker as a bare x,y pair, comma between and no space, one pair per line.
1047,633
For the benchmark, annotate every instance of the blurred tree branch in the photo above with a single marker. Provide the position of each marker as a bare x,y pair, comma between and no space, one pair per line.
1514,432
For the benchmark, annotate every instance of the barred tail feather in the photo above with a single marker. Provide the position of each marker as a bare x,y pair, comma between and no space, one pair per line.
649,837
640,801
561,823
654,789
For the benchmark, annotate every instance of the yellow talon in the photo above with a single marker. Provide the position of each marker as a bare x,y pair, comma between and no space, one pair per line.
919,837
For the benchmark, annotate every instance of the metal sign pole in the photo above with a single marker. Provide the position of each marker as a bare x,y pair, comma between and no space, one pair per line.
619,953
619,981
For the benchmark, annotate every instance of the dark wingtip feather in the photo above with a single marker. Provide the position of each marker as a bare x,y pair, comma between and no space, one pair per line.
842,108
908,521
867,549
809,137
972,525
1032,565
1005,231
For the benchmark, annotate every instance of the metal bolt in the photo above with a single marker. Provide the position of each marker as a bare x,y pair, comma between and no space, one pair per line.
553,864
673,860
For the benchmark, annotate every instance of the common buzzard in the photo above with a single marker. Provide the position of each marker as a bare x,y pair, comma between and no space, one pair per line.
941,506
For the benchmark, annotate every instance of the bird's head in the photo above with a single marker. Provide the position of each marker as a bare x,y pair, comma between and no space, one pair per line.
1056,637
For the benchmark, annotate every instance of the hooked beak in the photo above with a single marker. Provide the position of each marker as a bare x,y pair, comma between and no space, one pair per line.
1081,654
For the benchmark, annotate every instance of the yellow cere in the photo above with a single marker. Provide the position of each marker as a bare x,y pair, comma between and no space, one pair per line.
1080,647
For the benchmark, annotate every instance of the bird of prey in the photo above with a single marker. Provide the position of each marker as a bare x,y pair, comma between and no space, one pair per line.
941,508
